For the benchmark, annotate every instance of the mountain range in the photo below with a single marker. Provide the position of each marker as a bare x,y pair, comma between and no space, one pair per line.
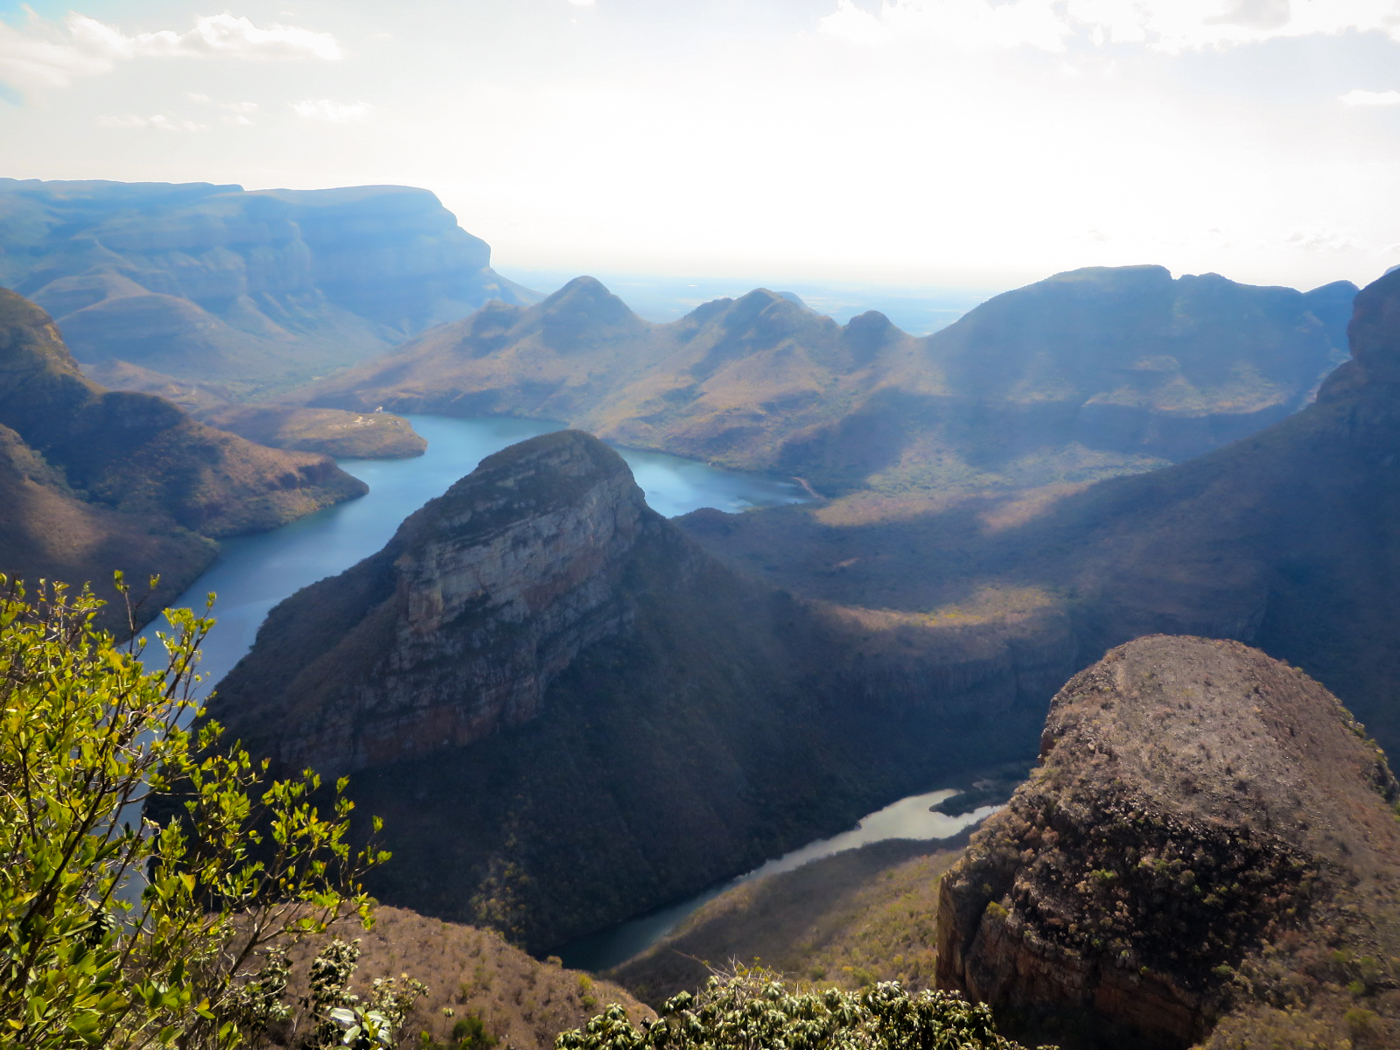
1084,375
1283,540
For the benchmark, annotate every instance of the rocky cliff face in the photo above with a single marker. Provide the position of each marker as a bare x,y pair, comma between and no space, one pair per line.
1086,374
93,471
567,713
205,282
488,593
1209,835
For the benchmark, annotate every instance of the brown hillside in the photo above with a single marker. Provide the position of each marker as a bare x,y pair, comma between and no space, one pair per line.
109,480
1284,540
523,1003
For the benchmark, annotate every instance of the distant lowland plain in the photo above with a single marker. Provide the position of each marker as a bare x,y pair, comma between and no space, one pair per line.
902,532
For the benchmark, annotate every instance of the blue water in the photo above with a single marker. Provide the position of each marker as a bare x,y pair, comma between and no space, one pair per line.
254,573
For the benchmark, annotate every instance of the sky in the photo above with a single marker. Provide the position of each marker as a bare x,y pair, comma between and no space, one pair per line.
900,143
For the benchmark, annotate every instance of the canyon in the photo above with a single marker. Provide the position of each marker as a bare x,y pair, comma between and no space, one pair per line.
566,711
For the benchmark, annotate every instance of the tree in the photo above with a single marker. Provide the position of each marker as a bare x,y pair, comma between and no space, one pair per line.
751,1009
116,930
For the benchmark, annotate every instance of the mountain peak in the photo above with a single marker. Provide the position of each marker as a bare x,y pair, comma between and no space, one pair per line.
584,301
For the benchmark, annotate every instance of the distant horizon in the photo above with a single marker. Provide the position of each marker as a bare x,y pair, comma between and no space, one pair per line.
659,295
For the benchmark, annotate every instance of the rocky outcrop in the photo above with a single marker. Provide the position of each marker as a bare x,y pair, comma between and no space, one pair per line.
212,283
1200,812
567,712
129,480
1086,374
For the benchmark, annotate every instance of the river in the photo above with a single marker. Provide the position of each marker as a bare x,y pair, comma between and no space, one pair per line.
909,818
254,573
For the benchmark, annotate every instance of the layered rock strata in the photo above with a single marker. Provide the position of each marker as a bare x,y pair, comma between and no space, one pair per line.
244,290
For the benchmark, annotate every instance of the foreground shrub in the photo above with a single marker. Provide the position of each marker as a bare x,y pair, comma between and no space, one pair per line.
754,1010
120,932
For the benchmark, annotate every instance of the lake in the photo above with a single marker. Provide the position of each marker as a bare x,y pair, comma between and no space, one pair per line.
909,818
254,573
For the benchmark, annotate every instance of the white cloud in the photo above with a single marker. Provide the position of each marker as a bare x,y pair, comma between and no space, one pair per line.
1165,25
582,3
1360,97
335,112
236,113
42,54
966,23
157,122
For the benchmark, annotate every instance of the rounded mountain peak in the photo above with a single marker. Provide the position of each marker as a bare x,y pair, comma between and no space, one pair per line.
533,477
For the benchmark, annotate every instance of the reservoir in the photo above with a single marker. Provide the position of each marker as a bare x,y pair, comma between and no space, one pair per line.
254,573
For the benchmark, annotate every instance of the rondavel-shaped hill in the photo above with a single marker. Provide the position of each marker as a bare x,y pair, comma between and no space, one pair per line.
567,712
93,480
158,286
1088,373
1208,854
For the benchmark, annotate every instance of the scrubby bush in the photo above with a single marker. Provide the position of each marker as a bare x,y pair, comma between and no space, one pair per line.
752,1008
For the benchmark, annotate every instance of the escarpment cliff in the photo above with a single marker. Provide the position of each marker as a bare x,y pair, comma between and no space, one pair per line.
100,480
1207,851
567,712
244,291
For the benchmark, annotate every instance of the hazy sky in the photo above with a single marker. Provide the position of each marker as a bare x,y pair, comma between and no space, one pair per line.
981,143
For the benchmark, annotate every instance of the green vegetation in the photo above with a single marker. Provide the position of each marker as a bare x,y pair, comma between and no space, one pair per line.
120,931
752,1008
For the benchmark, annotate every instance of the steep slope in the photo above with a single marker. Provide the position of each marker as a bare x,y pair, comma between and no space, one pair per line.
255,289
100,480
566,712
1083,375
1209,845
